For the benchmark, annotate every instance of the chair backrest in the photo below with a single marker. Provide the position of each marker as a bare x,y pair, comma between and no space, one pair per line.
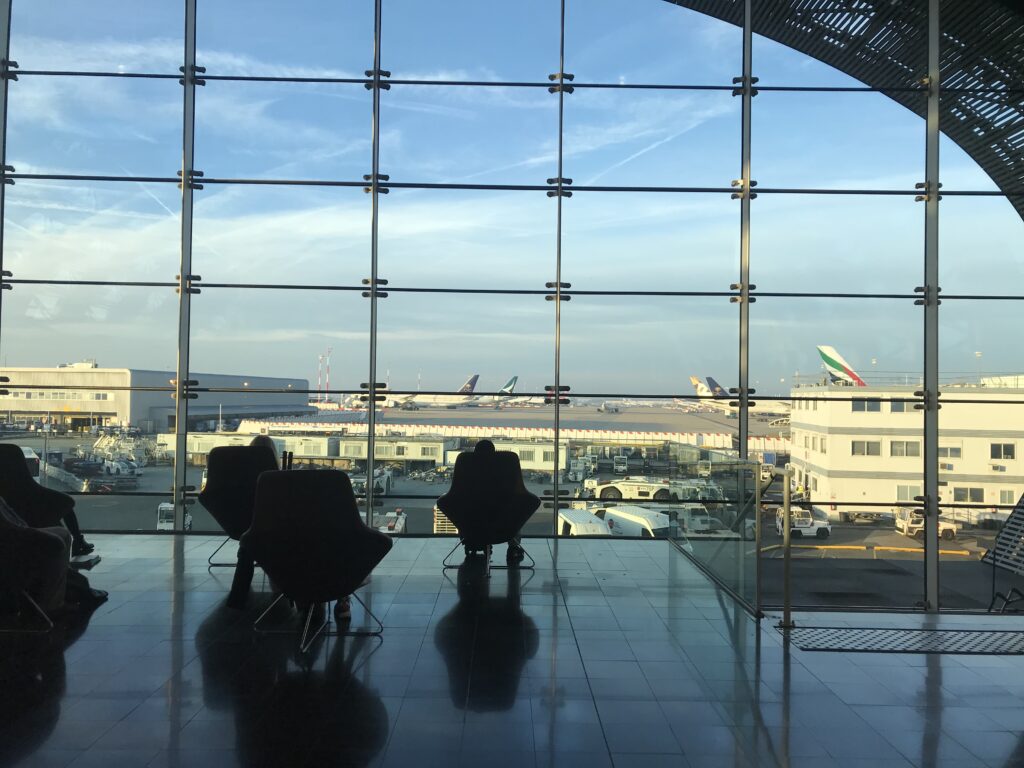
231,476
14,474
488,476
307,534
488,501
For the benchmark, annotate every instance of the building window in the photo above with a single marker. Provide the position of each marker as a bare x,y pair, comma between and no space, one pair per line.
814,443
969,495
949,452
907,492
860,404
1007,497
527,455
904,448
399,450
807,441
549,456
1003,451
866,448
897,406
814,483
429,451
945,466
823,445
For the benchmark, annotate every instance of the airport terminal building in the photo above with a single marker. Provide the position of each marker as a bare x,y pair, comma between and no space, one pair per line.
863,446
83,395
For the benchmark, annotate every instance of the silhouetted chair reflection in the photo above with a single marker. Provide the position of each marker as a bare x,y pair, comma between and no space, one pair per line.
308,536
488,501
286,710
38,506
229,496
33,679
485,641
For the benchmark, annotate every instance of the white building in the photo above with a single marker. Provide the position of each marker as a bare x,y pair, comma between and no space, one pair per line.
83,395
869,450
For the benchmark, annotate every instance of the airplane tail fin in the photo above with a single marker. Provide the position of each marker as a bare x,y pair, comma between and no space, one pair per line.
510,386
470,384
716,389
838,369
700,387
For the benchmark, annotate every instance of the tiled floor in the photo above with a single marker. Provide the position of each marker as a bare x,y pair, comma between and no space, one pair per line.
624,655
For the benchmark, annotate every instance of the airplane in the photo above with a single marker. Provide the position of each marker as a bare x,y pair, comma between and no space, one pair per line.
505,394
718,398
464,396
838,369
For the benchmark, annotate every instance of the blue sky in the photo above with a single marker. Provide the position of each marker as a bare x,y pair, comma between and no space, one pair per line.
495,240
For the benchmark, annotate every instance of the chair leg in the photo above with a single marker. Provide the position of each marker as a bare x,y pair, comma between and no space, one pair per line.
362,632
444,563
307,640
47,622
209,561
268,609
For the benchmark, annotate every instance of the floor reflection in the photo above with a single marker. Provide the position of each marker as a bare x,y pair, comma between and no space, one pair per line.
33,682
290,707
486,640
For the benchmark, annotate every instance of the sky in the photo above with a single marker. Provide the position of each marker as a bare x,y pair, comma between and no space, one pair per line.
493,240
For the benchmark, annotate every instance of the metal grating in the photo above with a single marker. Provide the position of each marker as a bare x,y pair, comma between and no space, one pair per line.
858,640
883,43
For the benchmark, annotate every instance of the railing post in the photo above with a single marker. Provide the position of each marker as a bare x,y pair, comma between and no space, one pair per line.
787,600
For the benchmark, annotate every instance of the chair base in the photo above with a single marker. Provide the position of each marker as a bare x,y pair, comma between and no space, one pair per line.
306,639
209,561
39,613
1011,597
487,560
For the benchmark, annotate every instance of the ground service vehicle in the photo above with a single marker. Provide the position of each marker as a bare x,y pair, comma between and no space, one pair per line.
620,465
632,520
165,517
656,489
579,522
804,523
910,522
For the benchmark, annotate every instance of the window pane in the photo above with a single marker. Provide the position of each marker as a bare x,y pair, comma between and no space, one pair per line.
63,230
836,140
467,239
471,41
836,243
976,358
95,125
656,42
312,39
318,131
281,334
91,37
461,135
651,138
115,326
647,345
663,242
980,237
281,235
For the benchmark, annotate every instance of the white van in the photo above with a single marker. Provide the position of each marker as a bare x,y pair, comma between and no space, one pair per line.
165,517
695,518
633,520
579,522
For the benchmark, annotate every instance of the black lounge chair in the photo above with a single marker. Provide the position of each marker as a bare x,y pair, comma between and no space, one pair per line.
488,503
309,538
229,496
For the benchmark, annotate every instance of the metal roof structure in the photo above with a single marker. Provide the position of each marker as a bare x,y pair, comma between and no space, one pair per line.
883,43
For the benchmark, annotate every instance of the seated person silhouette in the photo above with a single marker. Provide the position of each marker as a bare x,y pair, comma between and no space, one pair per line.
488,501
37,505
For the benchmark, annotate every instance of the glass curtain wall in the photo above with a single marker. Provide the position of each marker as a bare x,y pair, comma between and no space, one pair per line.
581,229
